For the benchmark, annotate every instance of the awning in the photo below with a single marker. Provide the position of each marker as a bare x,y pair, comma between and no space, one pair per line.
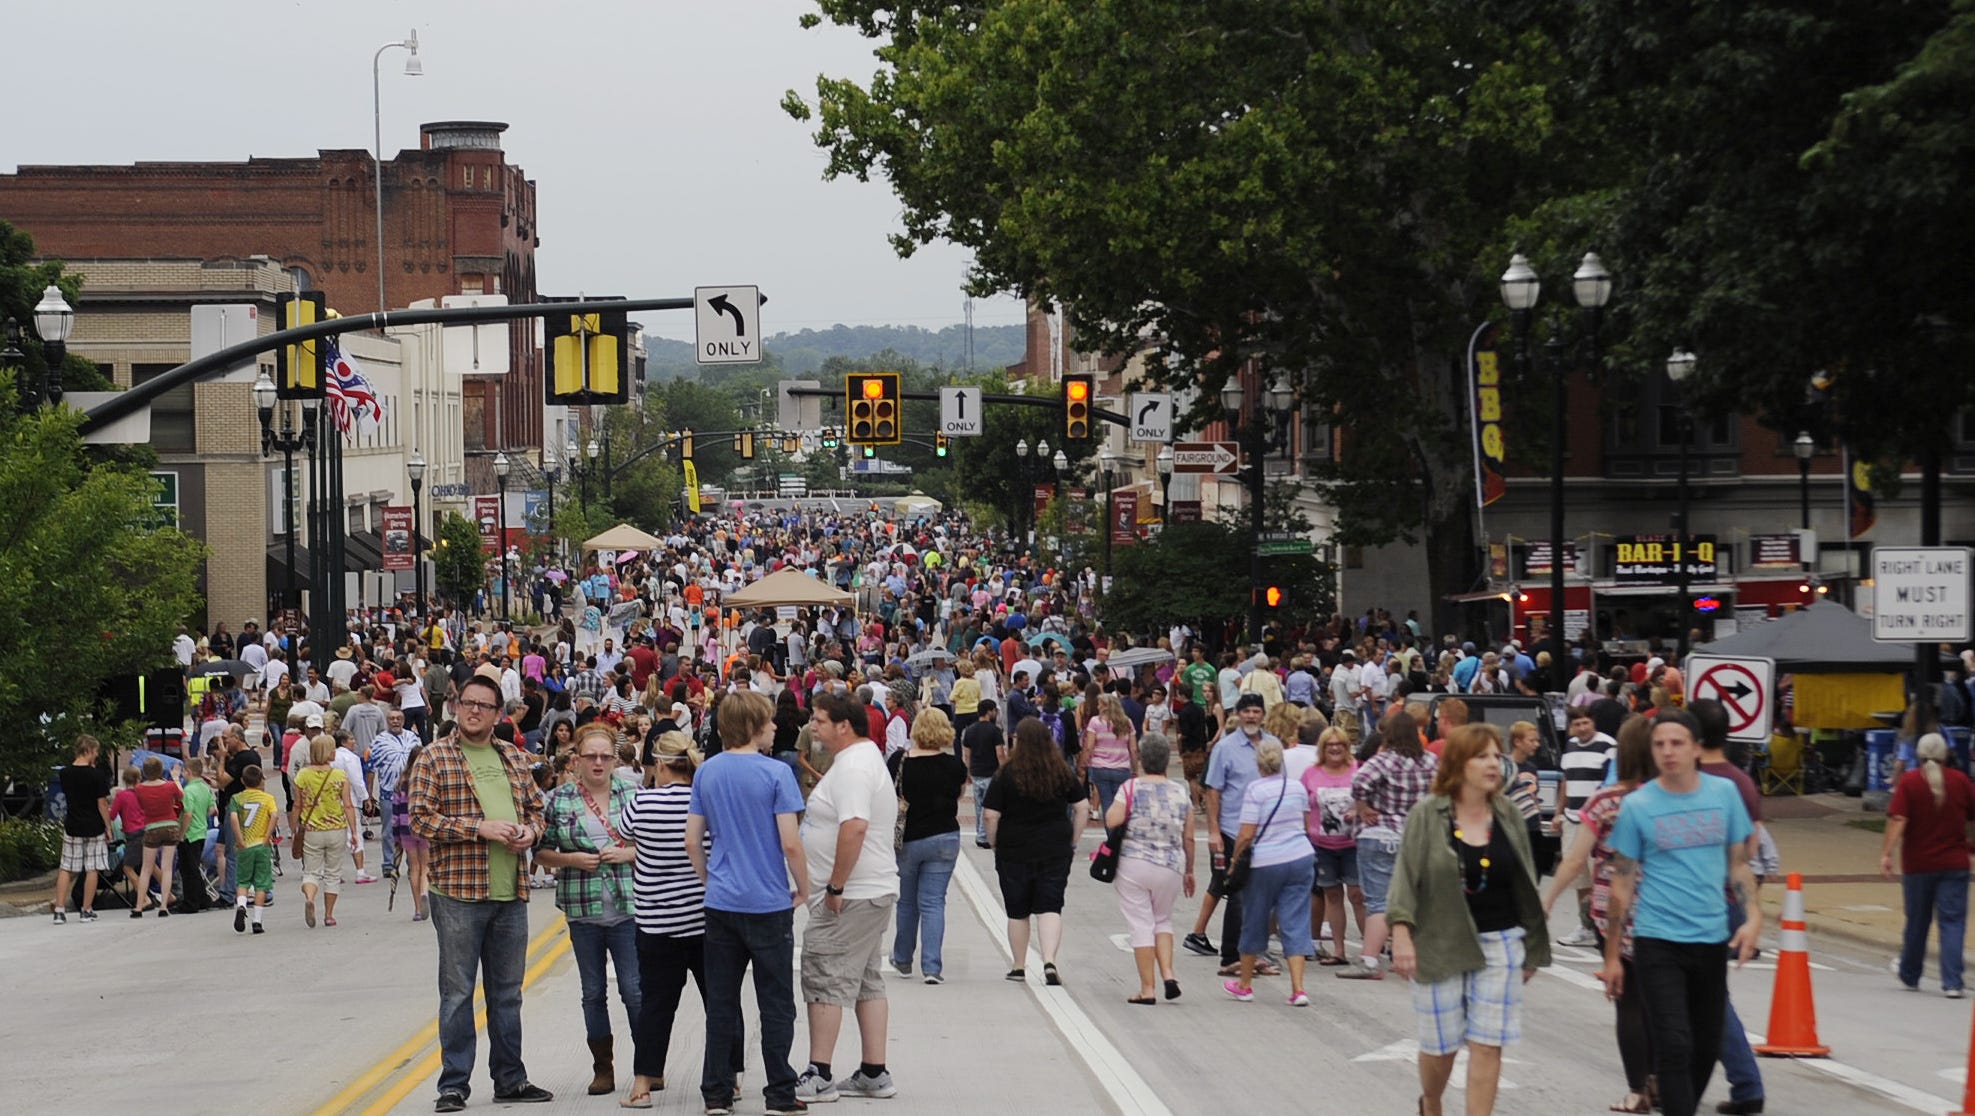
1660,590
363,550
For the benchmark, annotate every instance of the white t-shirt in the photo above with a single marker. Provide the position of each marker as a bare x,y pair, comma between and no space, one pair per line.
273,674
342,670
856,786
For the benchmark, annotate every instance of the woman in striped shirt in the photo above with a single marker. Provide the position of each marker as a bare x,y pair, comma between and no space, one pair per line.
670,903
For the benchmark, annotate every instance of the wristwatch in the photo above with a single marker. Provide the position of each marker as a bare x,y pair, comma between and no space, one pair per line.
832,889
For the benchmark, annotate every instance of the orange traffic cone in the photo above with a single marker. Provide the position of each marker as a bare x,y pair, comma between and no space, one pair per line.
1792,1010
1968,1090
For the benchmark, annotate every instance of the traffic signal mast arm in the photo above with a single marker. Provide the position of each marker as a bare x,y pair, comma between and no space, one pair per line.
1054,403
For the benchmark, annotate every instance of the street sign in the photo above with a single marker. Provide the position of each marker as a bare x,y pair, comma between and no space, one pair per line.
1285,548
1152,416
1920,594
960,411
1745,687
1206,457
727,325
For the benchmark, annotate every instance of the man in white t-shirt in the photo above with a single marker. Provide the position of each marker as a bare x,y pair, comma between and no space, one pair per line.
853,876
1344,690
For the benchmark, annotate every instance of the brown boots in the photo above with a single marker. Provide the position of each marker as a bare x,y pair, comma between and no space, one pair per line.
601,1064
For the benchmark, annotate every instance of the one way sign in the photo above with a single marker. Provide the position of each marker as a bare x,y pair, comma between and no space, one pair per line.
727,325
1744,687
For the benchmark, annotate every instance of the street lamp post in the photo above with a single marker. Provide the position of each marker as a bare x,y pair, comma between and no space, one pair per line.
287,441
1024,499
1110,459
501,467
1806,448
413,68
54,320
1679,366
550,471
1256,434
415,468
1165,460
1591,286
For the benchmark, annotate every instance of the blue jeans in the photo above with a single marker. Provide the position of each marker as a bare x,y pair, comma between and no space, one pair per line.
925,867
1738,1062
1284,891
980,812
1108,781
733,940
387,838
492,939
1932,896
595,945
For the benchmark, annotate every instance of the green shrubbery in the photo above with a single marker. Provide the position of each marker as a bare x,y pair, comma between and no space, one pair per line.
28,847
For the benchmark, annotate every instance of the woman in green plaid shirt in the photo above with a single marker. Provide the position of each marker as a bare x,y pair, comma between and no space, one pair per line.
594,869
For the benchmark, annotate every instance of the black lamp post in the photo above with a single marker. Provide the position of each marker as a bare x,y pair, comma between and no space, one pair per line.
1165,460
1679,366
415,468
1257,433
1806,448
593,449
550,471
288,440
501,467
1025,499
1591,286
1110,459
54,320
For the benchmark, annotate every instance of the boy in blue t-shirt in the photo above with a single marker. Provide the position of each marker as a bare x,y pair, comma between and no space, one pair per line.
1676,840
747,802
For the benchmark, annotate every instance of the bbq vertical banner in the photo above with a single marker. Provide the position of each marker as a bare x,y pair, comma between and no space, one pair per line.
1485,402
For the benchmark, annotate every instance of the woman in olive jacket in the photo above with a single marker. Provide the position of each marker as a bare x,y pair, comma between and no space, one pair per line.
1467,918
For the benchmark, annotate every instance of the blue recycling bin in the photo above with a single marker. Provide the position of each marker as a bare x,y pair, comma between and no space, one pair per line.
1879,756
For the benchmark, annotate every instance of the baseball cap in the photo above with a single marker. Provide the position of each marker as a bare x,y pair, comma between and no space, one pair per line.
1249,701
314,721
1347,653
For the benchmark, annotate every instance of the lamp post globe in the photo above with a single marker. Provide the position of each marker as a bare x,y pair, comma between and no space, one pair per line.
1232,396
1520,285
264,397
1591,284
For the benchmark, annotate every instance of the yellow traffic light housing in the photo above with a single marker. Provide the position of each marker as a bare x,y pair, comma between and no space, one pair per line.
1079,391
586,363
871,408
300,370
939,444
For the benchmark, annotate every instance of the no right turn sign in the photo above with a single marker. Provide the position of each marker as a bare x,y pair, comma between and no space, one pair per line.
1743,686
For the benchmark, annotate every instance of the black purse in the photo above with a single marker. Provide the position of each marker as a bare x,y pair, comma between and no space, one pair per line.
1242,865
1104,862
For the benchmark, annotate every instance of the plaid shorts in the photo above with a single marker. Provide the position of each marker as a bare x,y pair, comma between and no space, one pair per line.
85,854
1483,1006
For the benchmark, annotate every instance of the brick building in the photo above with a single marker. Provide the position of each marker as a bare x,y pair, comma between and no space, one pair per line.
458,219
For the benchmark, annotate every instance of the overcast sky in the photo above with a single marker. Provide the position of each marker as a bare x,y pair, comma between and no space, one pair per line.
652,129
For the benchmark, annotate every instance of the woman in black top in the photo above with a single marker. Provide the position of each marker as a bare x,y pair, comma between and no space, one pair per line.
789,720
1036,810
929,779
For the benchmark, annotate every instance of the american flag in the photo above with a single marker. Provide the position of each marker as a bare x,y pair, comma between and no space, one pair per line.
353,402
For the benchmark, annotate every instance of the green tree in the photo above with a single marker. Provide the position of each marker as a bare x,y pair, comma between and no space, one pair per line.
459,567
1303,183
91,587
23,278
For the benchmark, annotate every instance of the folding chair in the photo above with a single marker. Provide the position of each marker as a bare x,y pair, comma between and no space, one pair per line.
1781,765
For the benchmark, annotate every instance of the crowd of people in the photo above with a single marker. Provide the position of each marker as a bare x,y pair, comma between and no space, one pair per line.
684,775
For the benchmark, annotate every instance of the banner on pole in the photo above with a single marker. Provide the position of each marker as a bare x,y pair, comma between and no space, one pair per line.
1485,401
397,538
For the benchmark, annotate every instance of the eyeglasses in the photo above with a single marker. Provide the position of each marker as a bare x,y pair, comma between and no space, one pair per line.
599,758
477,706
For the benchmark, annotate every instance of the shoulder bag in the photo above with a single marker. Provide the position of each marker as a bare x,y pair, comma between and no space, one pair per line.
1104,862
898,827
1241,866
302,816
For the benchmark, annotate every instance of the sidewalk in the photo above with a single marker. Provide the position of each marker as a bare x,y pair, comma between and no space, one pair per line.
1845,897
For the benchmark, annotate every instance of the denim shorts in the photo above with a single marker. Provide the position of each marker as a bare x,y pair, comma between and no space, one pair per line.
1376,856
1336,868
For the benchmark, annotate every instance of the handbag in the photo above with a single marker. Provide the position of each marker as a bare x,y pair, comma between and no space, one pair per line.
898,827
1242,865
1104,862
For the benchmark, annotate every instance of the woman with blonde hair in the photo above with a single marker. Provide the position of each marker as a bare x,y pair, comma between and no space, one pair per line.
1333,831
326,817
1927,820
1467,929
929,780
1110,749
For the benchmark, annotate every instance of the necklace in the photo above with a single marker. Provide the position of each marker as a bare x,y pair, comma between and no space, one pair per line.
1475,881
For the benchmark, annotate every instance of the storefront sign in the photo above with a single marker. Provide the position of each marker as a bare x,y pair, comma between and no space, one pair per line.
1655,559
1773,552
1186,511
1536,559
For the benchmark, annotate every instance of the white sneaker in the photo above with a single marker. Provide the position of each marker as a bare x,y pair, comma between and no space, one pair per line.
1579,937
366,877
859,1085
814,1088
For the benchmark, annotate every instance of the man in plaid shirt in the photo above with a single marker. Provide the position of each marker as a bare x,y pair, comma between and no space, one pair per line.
472,797
588,682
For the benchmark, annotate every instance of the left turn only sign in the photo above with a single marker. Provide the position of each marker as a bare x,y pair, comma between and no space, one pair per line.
727,325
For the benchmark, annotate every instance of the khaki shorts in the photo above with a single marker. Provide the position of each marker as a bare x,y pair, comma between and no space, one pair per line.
840,952
1569,835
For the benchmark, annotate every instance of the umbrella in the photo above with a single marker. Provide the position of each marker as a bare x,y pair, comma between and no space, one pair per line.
1040,638
219,667
1141,656
557,576
902,552
929,657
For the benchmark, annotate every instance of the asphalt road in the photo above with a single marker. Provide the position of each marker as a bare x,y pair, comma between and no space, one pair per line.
184,1015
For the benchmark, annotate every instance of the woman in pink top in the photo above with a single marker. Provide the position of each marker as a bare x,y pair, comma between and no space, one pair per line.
1333,826
1110,750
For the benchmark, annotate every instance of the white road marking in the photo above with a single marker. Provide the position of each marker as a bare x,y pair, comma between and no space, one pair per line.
1408,1051
1123,1084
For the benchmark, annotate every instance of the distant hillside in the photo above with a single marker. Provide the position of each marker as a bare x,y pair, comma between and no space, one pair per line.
799,354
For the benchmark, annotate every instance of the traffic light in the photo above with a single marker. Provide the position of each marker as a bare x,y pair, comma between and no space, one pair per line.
829,438
871,405
685,445
744,445
586,364
299,369
1270,597
1077,392
939,444
870,452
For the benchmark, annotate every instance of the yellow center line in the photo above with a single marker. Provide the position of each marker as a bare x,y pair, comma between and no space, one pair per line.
429,1065
396,1059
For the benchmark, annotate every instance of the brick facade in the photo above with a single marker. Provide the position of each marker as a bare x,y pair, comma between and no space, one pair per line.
457,219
